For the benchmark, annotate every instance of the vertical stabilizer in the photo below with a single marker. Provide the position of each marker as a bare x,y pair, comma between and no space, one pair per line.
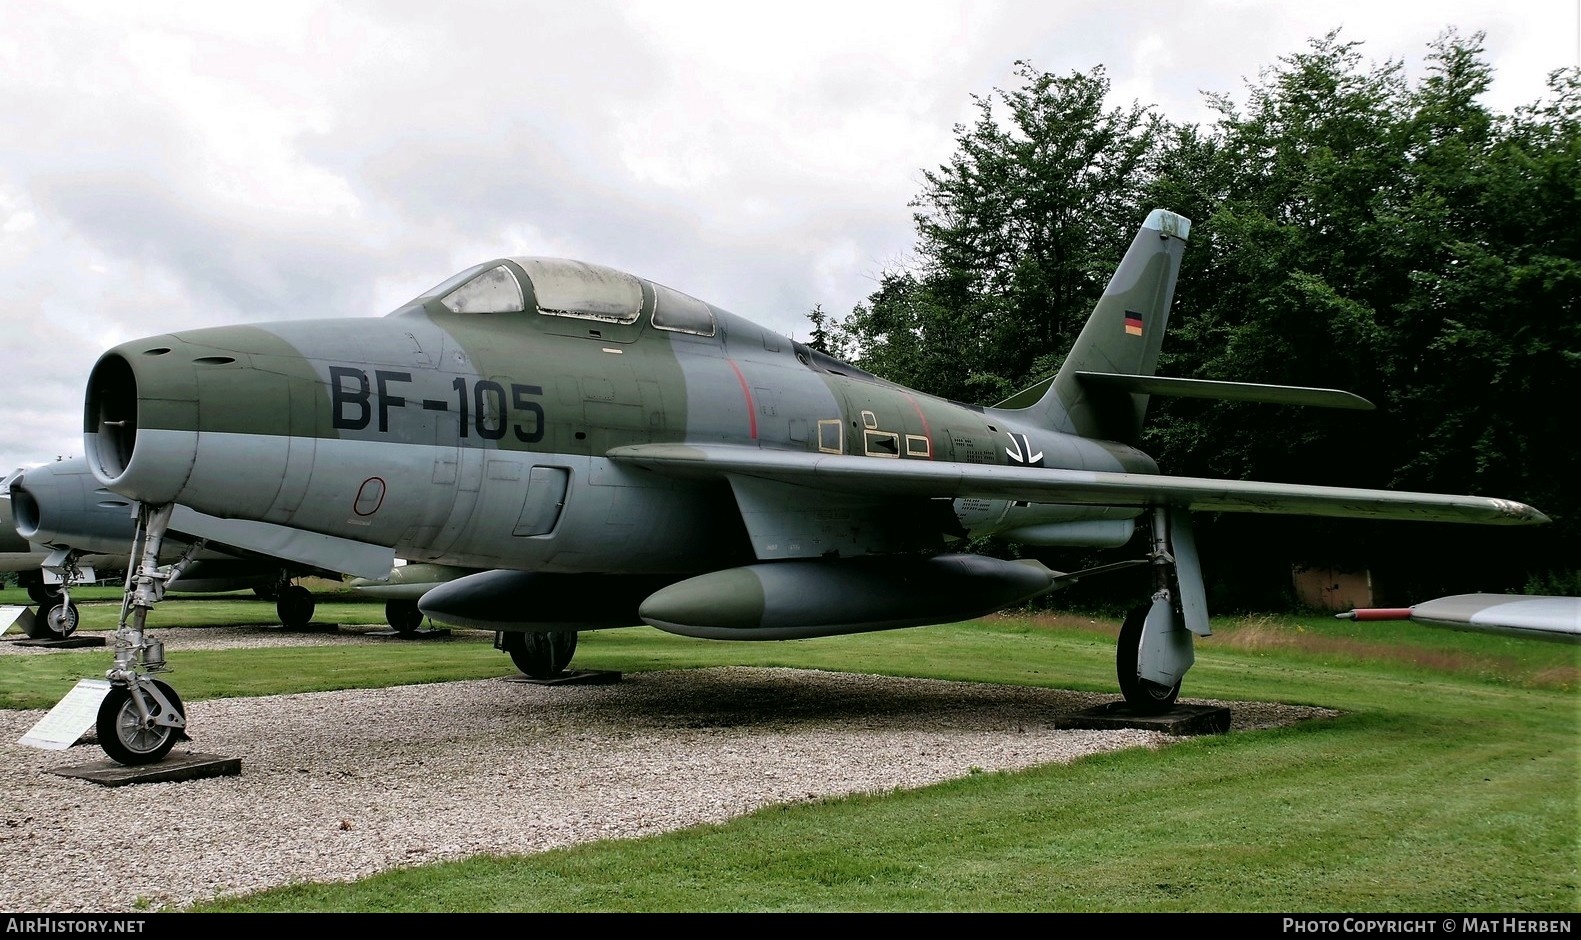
1123,337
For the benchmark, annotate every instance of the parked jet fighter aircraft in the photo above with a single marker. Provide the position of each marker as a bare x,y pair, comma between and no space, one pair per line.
71,521
611,452
57,616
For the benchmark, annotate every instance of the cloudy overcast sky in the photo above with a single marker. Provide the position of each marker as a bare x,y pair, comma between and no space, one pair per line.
173,165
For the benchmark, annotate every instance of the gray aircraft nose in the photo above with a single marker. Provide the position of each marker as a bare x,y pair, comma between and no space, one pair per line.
150,402
223,415
61,503
140,419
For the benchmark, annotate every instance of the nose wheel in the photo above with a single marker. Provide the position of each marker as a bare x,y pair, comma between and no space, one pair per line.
57,620
57,615
141,726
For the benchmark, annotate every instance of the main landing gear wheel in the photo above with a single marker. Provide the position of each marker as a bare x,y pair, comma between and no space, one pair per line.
1142,695
540,655
123,734
295,606
56,620
404,616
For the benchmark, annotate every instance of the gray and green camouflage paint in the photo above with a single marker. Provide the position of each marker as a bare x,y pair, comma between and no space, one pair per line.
561,420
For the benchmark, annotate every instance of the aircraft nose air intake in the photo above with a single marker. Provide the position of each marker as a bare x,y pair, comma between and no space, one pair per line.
140,418
60,503
24,511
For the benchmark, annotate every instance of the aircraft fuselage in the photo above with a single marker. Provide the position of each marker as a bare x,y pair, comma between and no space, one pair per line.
503,420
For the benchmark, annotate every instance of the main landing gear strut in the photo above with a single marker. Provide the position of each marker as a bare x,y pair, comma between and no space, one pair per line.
1155,646
142,718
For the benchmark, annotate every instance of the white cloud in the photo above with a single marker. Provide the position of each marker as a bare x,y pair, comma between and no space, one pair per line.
170,165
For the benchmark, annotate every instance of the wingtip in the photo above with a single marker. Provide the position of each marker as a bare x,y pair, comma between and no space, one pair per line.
1511,512
1529,514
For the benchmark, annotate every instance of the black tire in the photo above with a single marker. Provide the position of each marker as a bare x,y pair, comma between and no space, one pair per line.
1143,696
295,606
55,621
41,593
404,616
40,628
121,734
540,655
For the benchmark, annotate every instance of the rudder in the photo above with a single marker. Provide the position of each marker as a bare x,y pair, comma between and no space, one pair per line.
1122,336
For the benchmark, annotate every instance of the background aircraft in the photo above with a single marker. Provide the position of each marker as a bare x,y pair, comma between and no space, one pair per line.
607,452
69,524
27,559
404,587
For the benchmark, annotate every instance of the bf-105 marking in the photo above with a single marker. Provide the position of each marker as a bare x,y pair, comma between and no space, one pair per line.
352,410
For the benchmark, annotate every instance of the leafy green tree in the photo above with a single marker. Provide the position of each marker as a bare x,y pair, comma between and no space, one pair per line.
1016,237
824,336
1391,241
1350,230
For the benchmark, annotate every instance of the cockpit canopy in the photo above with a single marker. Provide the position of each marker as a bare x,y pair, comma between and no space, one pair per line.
559,287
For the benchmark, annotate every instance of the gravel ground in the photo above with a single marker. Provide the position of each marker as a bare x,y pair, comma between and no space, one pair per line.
335,786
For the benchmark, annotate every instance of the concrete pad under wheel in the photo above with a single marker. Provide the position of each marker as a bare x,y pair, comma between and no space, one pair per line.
572,677
174,767
1178,720
65,643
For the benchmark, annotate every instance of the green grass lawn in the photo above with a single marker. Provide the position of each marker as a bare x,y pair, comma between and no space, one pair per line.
1452,782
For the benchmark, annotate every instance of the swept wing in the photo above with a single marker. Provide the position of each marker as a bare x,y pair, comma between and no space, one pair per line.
927,478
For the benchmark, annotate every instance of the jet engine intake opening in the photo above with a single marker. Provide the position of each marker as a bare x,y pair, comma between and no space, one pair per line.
24,511
110,415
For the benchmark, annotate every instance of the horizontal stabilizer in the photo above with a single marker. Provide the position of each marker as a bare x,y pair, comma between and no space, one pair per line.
1100,382
1226,391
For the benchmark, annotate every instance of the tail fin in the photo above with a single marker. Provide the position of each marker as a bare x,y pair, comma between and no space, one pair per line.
1122,337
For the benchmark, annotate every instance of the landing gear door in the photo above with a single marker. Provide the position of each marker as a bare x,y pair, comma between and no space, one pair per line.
1166,651
1188,573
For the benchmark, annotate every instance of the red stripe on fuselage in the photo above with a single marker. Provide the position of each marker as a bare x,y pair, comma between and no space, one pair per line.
926,431
746,392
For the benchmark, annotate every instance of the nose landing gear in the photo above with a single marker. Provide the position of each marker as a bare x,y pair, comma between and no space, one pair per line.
142,718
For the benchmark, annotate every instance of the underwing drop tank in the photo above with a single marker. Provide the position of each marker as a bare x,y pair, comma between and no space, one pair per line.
539,602
809,598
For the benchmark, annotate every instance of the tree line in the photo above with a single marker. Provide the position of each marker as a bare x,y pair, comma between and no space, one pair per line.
1350,229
